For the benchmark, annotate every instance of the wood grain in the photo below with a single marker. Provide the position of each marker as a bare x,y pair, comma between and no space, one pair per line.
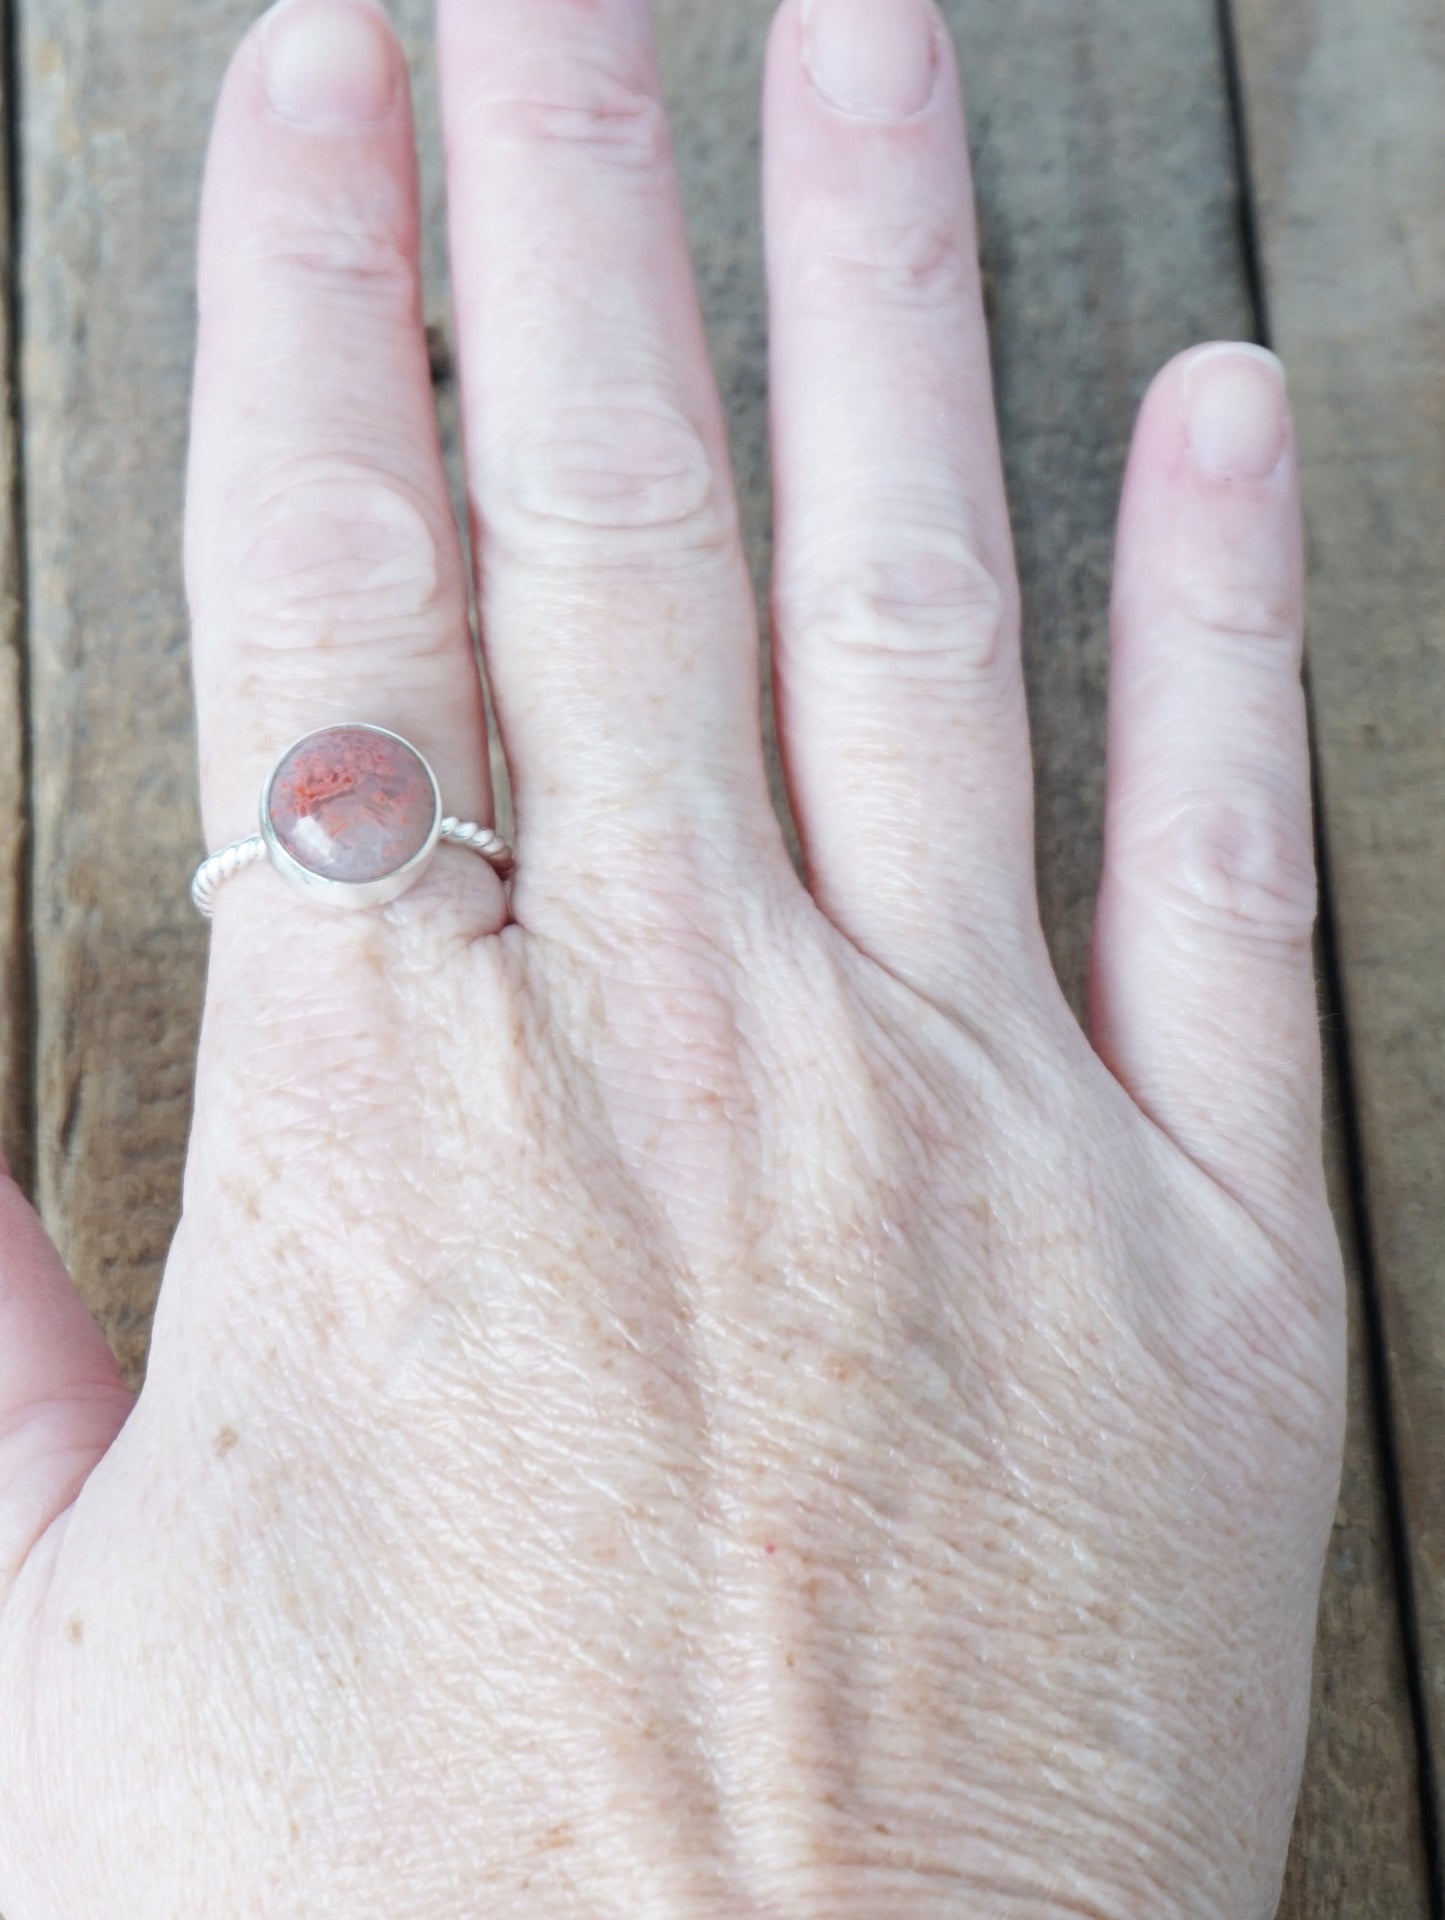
115,102
1108,216
15,1002
1345,117
1359,1847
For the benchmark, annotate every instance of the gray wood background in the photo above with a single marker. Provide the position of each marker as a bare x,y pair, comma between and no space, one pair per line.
1150,172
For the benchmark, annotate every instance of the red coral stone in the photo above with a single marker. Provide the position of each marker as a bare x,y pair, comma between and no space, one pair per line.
352,804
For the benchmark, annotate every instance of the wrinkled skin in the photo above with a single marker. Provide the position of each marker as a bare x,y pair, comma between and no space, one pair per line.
690,1395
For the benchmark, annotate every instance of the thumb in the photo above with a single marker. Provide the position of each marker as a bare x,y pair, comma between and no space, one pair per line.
62,1398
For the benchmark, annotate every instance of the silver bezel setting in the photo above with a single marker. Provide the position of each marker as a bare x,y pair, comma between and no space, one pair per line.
324,888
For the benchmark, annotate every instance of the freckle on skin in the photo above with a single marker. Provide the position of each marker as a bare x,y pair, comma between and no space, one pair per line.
245,1197
225,1440
75,1630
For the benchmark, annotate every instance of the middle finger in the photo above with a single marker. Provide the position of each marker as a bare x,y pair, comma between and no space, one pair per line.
617,609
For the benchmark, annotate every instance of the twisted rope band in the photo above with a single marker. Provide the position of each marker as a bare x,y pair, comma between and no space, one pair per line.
218,868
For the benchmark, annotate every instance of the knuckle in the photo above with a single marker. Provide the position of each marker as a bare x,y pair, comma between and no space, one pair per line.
617,467
328,555
1252,617
578,107
930,605
920,261
1242,868
358,246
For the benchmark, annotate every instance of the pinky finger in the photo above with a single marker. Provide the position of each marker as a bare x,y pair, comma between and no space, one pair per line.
1203,998
62,1399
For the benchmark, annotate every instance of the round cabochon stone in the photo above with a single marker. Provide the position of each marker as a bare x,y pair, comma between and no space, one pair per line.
352,804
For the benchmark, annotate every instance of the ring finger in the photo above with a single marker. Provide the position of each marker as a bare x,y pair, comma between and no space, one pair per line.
324,570
897,634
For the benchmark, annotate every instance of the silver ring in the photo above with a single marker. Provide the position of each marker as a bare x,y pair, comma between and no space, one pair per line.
351,816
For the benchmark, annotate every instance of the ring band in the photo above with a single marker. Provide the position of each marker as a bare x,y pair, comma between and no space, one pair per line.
351,816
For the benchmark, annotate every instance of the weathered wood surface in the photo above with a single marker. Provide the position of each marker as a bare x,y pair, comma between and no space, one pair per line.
1359,1842
1108,214
15,1005
113,123
1345,114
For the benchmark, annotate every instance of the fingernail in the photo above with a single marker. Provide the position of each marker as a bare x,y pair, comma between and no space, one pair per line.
874,58
1237,411
329,62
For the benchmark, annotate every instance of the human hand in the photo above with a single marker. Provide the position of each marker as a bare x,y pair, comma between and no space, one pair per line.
707,1398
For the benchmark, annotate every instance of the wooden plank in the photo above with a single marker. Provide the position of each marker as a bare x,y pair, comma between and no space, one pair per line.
1345,119
15,1001
1110,235
1359,1848
114,110
1107,210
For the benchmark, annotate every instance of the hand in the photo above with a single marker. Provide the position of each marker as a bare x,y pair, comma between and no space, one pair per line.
690,1396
